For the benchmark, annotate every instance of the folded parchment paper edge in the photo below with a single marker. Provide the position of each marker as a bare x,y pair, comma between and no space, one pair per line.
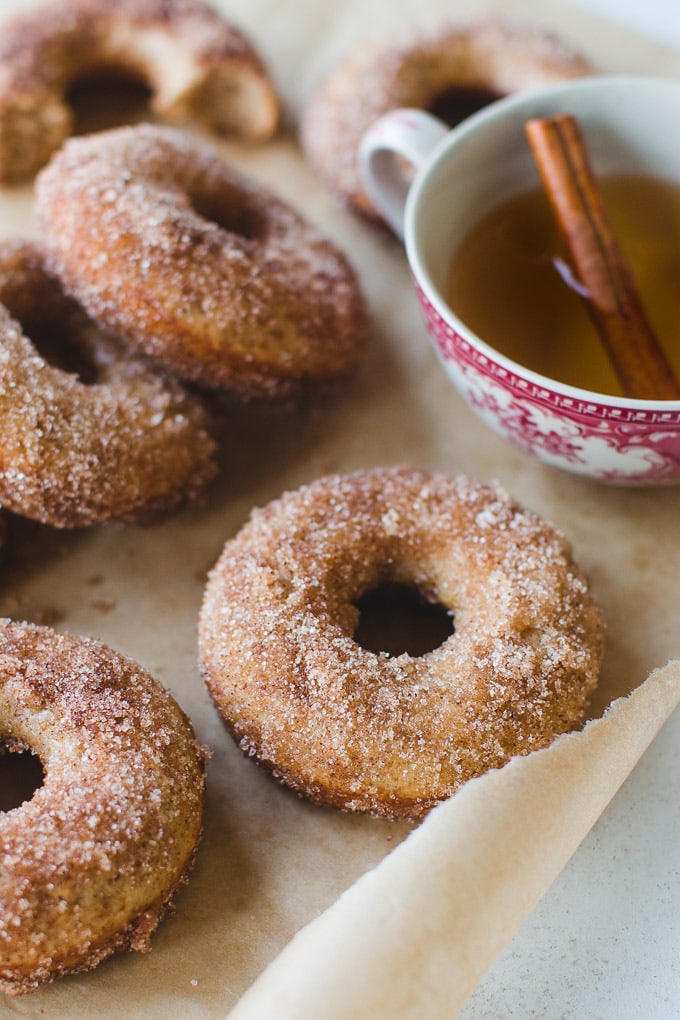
413,937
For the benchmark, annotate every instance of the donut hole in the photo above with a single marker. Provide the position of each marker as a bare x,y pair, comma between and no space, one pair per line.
229,212
107,97
397,619
61,345
458,102
21,774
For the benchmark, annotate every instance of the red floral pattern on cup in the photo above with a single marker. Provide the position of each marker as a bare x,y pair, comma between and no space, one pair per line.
613,443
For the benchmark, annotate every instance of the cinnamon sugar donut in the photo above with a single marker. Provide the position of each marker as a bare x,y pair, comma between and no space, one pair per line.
90,864
87,433
195,64
393,735
196,266
448,69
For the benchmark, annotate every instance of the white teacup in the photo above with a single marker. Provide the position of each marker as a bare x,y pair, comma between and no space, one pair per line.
630,127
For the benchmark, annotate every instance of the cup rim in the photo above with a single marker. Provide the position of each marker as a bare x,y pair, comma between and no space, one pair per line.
492,112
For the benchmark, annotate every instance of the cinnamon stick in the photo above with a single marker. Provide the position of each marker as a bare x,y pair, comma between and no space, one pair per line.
641,366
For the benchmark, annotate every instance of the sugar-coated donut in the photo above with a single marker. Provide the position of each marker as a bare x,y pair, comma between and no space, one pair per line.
449,69
395,735
125,442
196,65
196,266
89,865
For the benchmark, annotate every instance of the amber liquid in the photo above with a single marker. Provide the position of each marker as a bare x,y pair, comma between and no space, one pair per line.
505,286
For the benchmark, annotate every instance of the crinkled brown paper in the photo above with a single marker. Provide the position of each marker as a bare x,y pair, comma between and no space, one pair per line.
413,936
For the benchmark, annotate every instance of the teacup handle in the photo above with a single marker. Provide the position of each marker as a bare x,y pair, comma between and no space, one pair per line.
401,135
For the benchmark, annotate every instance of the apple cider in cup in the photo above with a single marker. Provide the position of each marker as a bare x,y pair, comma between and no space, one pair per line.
510,280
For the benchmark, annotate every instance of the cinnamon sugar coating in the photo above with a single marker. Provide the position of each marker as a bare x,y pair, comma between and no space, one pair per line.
419,68
197,66
395,735
196,266
128,444
89,865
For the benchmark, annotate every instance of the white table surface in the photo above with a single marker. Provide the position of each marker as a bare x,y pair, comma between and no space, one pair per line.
659,19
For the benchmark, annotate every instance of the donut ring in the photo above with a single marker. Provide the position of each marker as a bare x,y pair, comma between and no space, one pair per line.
197,267
197,66
89,865
395,735
128,446
446,69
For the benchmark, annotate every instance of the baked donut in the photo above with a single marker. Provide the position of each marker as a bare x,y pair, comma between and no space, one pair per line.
451,70
197,267
89,865
394,735
87,433
196,66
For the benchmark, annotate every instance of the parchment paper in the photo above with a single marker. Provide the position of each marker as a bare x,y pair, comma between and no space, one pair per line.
269,863
413,937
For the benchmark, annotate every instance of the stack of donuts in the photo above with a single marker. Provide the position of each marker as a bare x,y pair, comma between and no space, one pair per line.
162,276
161,269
